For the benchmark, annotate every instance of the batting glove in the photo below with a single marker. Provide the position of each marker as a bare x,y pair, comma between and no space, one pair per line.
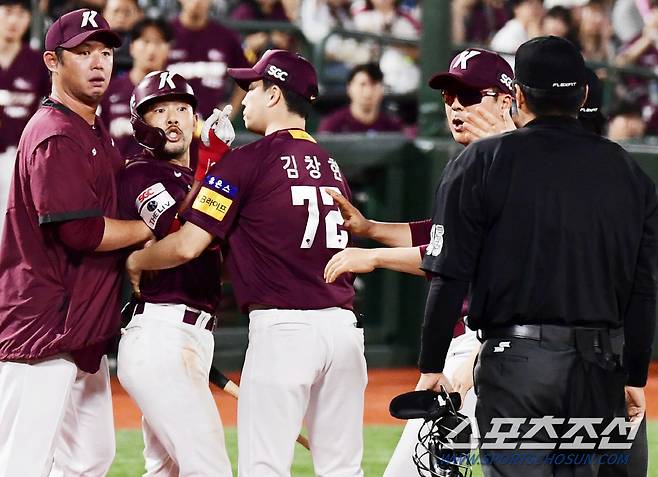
220,124
214,146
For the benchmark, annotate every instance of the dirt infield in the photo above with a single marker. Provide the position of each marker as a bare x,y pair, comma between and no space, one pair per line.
383,385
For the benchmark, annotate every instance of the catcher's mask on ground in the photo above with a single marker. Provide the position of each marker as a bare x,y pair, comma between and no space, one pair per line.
156,86
443,446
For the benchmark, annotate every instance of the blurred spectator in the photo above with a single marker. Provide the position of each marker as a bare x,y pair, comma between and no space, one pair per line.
317,19
366,90
558,22
149,48
202,50
627,20
595,33
24,78
384,17
642,51
257,43
122,16
23,83
525,24
476,21
626,123
57,8
269,10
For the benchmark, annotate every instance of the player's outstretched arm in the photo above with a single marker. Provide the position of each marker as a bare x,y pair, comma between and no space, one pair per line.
119,234
388,233
361,260
173,250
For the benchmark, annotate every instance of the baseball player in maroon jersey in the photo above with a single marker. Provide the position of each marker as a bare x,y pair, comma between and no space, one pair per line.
59,279
269,202
166,350
478,97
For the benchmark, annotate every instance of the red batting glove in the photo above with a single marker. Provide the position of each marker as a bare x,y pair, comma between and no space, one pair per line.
209,155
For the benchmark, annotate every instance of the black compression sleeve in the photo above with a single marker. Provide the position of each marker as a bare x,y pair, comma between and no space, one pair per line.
639,330
442,310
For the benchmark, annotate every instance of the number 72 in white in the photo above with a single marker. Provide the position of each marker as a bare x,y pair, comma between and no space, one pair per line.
335,238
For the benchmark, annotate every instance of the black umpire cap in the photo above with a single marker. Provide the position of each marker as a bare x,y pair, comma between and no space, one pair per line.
550,63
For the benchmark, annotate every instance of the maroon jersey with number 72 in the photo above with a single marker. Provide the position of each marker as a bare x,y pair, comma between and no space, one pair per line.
269,201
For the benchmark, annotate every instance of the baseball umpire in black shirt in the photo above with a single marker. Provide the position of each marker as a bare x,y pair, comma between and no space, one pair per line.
555,231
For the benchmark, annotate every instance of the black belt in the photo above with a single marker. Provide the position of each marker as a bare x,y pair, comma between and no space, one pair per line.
550,333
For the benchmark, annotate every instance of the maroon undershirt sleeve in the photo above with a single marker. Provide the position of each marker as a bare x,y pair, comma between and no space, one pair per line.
420,232
83,235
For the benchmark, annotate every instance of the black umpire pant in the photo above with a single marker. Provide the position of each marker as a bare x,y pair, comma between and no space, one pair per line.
530,372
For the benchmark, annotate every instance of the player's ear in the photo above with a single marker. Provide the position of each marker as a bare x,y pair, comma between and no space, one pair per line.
505,101
274,95
50,60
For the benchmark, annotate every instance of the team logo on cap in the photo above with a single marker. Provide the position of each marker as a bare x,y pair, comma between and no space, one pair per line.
506,80
88,18
277,72
463,57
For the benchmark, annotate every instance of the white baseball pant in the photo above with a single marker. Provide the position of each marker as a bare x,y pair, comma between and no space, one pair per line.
164,365
401,463
55,419
302,365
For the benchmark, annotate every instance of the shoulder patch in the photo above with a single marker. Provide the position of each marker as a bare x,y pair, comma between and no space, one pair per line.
148,193
299,134
212,203
152,203
219,184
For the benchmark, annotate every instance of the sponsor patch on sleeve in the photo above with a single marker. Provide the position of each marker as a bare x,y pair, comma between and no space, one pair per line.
154,206
218,184
212,203
147,194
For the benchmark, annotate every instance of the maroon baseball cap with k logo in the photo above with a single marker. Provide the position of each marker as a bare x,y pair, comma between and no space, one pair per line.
477,69
78,26
288,70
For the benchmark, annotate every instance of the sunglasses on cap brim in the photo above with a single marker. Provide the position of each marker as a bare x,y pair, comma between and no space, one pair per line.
466,97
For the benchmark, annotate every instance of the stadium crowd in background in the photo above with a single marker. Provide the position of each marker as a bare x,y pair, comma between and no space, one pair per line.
209,36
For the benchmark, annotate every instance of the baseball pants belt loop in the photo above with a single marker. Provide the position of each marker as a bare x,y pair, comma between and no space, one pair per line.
189,315
192,317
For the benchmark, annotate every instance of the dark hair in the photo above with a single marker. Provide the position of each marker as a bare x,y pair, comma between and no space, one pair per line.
373,71
626,108
21,3
543,102
370,6
296,103
560,13
157,23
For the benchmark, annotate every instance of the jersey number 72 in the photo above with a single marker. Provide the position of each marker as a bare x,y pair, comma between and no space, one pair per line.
335,238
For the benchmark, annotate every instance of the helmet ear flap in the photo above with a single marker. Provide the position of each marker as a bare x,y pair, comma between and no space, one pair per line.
149,137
